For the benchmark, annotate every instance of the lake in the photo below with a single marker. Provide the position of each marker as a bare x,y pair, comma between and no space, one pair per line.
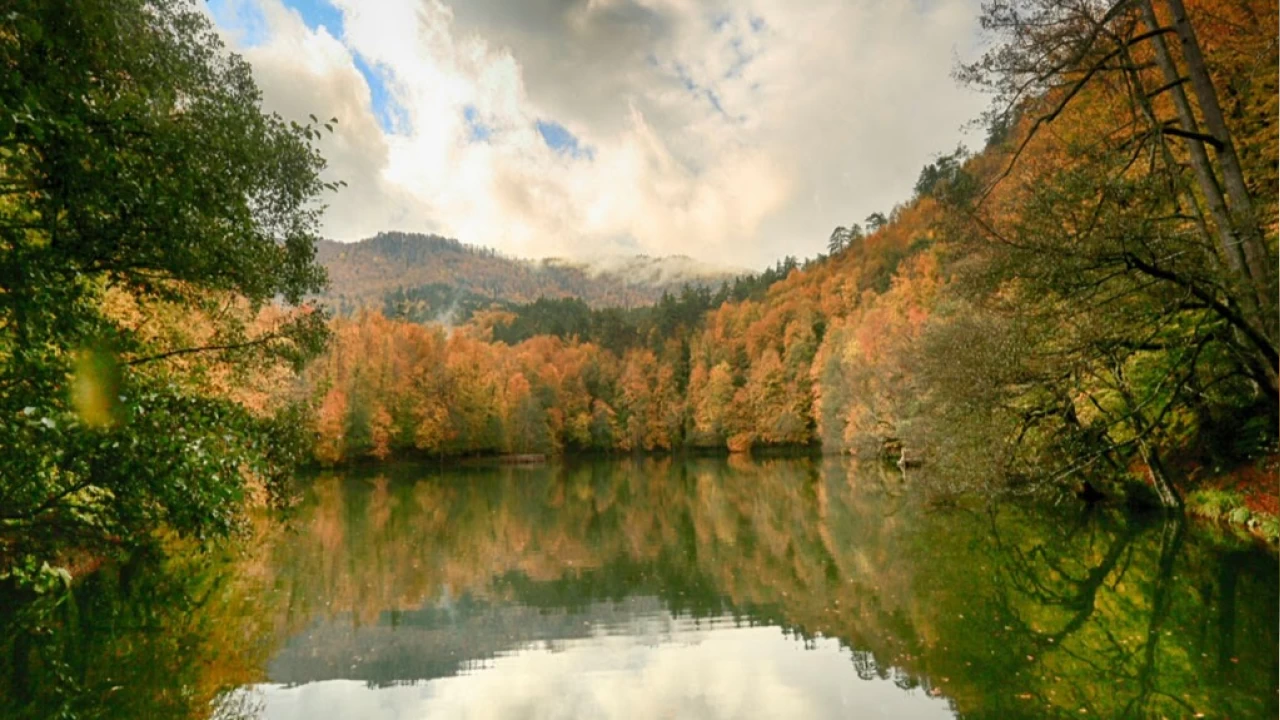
666,588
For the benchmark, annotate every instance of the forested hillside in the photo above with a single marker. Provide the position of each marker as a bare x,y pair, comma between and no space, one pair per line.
1091,297
693,370
430,278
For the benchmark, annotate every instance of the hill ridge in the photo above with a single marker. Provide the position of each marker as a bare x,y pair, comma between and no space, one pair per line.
394,267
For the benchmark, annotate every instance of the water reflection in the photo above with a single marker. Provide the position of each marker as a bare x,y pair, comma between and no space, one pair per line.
652,665
701,588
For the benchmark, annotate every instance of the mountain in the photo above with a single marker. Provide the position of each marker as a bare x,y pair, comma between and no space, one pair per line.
431,277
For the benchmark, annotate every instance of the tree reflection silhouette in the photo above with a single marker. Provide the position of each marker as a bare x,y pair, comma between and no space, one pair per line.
1022,611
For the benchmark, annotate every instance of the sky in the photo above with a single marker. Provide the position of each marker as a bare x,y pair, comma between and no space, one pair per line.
732,132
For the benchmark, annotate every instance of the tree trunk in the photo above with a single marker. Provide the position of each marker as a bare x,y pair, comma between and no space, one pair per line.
1227,574
1232,251
1179,186
1163,591
1259,262
1165,489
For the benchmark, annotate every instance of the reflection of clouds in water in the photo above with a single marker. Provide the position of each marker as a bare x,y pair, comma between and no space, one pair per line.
719,673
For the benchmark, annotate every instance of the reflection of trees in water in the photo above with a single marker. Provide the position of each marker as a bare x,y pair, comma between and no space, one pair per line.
945,599
151,637
1100,607
1023,612
1065,572
444,640
1172,531
246,703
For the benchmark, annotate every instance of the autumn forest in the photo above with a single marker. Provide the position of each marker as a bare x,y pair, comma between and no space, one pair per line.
1061,345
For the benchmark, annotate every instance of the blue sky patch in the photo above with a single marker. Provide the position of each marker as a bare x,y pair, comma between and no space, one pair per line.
244,20
558,138
741,59
706,93
479,132
685,78
391,116
318,13
322,13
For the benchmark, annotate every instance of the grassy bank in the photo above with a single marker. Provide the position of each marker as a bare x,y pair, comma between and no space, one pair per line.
1247,500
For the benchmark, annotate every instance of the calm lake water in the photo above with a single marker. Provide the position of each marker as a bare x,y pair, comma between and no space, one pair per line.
670,589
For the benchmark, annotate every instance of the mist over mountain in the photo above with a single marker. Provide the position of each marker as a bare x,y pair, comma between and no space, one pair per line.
430,277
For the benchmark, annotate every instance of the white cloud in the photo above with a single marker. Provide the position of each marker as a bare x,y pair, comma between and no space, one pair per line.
732,132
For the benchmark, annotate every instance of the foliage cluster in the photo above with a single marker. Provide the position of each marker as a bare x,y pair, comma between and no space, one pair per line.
157,236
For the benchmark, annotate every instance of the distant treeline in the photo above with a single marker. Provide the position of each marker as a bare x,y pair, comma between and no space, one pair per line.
617,329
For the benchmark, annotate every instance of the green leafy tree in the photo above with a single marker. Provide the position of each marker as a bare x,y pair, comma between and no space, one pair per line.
150,214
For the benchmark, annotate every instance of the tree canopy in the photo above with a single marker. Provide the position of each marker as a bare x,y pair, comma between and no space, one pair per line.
157,235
